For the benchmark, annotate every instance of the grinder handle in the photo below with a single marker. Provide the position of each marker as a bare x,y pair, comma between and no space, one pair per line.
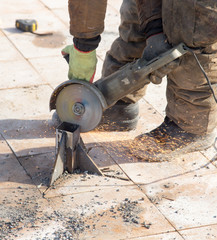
134,76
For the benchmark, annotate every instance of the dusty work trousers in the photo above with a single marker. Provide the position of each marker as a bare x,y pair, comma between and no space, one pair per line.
190,103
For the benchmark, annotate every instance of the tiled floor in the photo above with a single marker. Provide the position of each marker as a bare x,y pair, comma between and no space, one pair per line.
144,201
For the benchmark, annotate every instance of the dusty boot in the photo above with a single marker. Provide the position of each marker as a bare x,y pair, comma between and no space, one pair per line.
168,141
120,117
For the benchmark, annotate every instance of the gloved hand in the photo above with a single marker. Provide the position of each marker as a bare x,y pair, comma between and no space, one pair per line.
156,45
82,65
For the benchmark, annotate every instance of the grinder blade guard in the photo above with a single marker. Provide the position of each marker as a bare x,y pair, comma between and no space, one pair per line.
78,102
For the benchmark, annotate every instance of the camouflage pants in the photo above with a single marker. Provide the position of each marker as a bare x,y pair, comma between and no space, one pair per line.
190,103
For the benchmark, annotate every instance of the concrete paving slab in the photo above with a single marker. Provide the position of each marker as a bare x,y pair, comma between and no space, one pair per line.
149,119
104,161
11,170
24,213
23,103
98,73
7,49
110,31
33,46
187,201
156,96
149,172
29,44
21,75
103,210
9,12
39,167
62,14
211,154
116,4
54,70
29,137
21,205
165,236
72,184
202,233
5,151
55,4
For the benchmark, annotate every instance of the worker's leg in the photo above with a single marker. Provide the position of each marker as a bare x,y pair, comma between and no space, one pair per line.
191,113
191,104
126,48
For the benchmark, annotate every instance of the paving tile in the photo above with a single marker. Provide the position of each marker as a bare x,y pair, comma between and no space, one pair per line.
98,203
29,137
156,96
116,4
194,162
115,144
32,45
165,236
72,184
202,233
63,15
39,167
211,154
9,12
11,170
55,4
5,151
186,201
24,213
149,119
8,51
110,32
54,70
150,172
145,172
25,103
98,73
23,75
105,163
17,199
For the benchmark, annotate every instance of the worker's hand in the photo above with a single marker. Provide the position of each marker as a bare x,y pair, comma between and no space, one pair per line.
156,45
82,65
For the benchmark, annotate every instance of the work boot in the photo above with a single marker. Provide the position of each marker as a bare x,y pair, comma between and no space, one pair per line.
168,141
122,116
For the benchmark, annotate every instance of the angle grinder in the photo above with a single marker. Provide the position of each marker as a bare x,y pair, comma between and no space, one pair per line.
82,103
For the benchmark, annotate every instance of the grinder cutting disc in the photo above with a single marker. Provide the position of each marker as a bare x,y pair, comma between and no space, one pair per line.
78,104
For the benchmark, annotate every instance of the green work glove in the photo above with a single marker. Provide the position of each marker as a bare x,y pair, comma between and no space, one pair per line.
82,65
